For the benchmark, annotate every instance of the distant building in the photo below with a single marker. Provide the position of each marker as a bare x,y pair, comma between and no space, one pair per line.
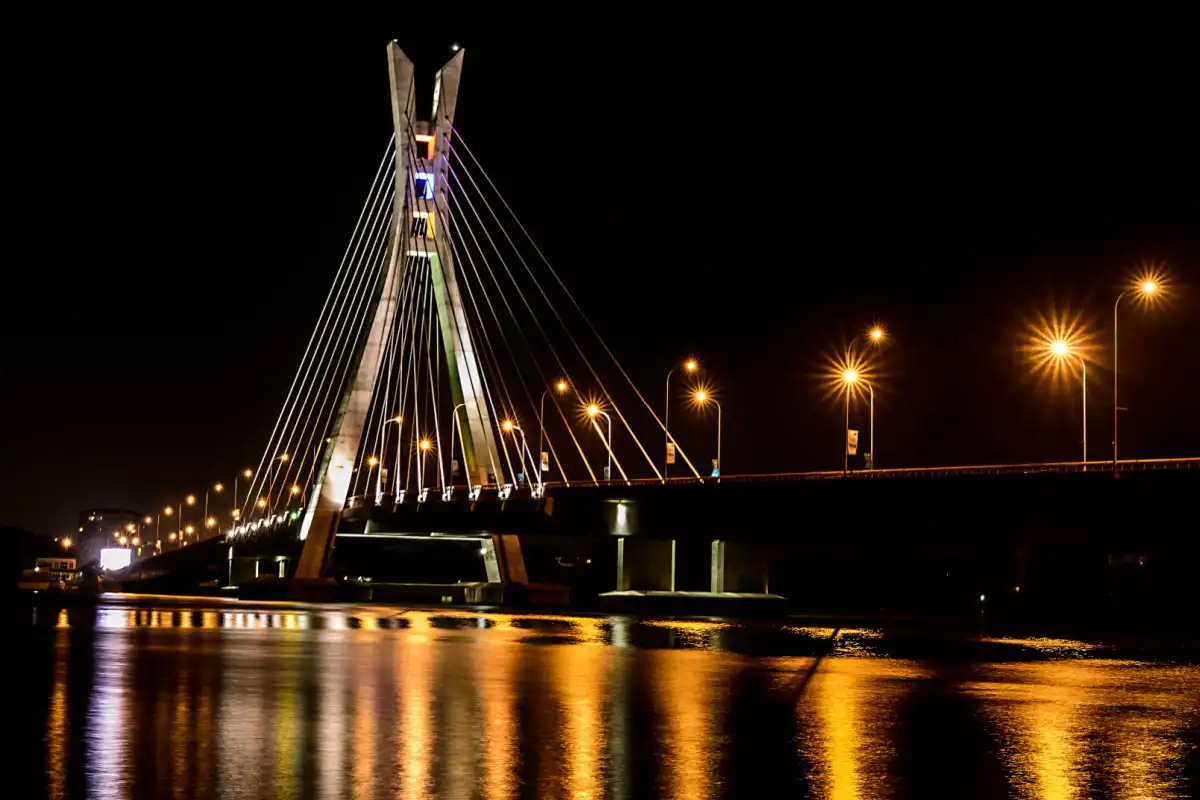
103,527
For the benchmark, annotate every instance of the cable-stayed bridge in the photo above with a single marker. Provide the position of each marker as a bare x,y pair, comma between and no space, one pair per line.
453,388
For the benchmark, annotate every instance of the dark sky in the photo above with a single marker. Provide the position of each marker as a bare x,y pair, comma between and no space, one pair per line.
178,184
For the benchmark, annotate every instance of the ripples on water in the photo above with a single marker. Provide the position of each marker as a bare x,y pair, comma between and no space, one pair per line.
227,701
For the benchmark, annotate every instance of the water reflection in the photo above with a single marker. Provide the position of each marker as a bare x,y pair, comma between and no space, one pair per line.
364,702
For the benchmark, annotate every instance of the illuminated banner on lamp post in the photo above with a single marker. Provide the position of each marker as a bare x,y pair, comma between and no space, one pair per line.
545,461
670,452
852,442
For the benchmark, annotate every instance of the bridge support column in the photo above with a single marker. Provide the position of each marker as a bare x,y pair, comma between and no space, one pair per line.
647,564
504,561
738,567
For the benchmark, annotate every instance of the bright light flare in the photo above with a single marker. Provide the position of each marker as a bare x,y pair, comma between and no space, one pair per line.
218,487
172,537
561,386
507,426
211,522
702,396
691,365
426,445
191,499
1055,345
66,543
130,527
295,489
190,529
371,462
148,519
284,457
1148,286
262,502
850,372
247,473
168,511
876,334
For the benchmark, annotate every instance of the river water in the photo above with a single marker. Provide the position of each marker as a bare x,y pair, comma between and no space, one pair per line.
165,698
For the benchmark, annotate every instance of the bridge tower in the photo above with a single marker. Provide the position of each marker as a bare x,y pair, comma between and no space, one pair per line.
420,238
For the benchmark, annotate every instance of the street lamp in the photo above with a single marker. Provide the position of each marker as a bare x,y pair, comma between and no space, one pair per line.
372,462
1060,350
876,336
1147,289
689,366
850,379
66,543
593,411
561,387
424,445
512,428
702,397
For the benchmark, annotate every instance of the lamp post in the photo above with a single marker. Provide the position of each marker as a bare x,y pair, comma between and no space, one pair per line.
247,473
1148,289
425,446
593,411
372,462
512,428
850,378
690,366
158,525
875,336
191,501
561,387
702,397
1060,349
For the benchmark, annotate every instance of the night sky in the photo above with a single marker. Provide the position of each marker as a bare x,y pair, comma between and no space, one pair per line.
178,185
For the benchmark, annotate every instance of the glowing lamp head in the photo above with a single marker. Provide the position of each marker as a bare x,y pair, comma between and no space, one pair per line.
850,376
218,487
190,529
372,461
147,519
701,396
593,410
211,522
1148,287
136,541
122,540
284,457
1059,348
507,425
398,418
262,502
690,365
295,489
130,527
172,537
237,514
876,334
247,473
191,499
66,543
561,386
426,445
168,511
